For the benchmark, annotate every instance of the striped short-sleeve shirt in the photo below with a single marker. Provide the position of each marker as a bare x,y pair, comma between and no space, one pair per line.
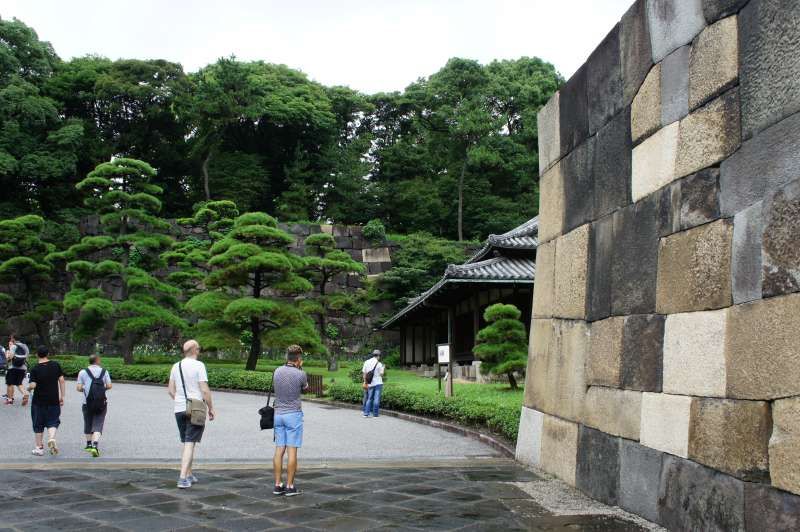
288,383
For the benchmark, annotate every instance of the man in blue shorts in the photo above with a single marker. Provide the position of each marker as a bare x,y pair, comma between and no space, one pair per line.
288,381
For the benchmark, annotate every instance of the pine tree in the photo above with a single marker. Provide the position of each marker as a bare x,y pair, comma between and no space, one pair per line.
252,275
502,345
114,281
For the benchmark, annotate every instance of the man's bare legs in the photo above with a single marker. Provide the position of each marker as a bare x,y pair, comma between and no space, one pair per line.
186,459
39,436
291,469
277,464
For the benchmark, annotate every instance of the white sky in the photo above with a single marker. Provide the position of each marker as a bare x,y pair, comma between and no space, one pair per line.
369,45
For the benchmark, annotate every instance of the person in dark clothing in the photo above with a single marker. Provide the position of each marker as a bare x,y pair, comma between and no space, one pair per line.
17,361
48,387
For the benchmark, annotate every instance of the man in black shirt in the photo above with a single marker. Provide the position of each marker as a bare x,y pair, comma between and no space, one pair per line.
48,386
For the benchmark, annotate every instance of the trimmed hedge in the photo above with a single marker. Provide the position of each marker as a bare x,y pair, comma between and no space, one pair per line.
501,419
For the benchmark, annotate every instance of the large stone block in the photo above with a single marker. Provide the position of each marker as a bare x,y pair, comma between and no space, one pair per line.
529,439
763,164
551,204
675,85
604,81
601,252
673,23
781,241
576,171
748,231
709,134
642,353
714,65
646,106
541,358
635,51
377,255
694,353
597,472
769,32
665,422
694,497
604,360
694,269
784,446
634,264
770,509
572,264
668,200
717,9
573,111
762,358
559,448
544,290
699,198
612,165
731,436
614,411
549,133
639,477
654,160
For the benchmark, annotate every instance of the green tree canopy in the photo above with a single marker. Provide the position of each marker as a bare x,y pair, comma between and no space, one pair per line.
502,345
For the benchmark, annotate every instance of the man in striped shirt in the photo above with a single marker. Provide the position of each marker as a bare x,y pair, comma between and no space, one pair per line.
289,382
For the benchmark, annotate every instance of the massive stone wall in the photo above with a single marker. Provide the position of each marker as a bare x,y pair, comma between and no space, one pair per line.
664,365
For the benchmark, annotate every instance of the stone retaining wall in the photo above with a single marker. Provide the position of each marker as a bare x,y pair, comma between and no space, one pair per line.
664,365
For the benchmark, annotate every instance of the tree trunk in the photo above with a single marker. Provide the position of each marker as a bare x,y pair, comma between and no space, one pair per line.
511,380
255,329
127,348
44,335
206,186
461,201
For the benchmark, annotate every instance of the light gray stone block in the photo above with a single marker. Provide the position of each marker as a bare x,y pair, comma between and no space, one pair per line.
613,411
653,164
646,106
549,134
675,85
639,474
559,453
637,57
529,439
694,353
551,204
714,65
665,422
672,24
746,264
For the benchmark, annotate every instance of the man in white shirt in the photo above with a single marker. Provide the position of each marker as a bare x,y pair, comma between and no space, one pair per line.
372,370
94,412
188,379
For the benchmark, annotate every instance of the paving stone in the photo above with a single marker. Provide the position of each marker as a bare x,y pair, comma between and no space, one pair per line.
604,81
694,353
784,446
61,523
543,292
613,411
762,358
709,134
551,204
597,472
688,493
781,241
601,251
694,269
642,354
634,264
731,436
637,57
665,422
763,504
675,85
573,111
769,33
572,265
612,165
646,106
746,264
529,439
714,65
717,9
549,133
639,476
672,24
653,162
346,523
576,171
668,203
604,360
699,198
559,448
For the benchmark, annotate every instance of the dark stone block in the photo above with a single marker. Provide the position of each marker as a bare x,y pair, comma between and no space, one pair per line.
355,230
597,470
573,111
762,164
612,165
314,229
675,85
700,198
604,81
769,63
635,51
356,254
668,202
639,476
714,10
374,267
781,241
359,242
299,230
601,244
643,352
576,169
767,508
340,230
694,497
344,242
635,259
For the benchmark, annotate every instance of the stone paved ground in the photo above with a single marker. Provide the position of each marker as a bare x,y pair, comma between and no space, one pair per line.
488,495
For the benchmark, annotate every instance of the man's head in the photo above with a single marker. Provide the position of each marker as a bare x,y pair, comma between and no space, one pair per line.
294,354
94,360
376,353
191,348
42,352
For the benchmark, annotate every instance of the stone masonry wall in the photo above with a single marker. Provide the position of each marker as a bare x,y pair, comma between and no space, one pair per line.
664,365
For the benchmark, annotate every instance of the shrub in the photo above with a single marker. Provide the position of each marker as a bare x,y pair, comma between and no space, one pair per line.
355,374
375,231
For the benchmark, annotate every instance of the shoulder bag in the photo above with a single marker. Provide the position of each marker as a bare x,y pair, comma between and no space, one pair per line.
267,413
195,408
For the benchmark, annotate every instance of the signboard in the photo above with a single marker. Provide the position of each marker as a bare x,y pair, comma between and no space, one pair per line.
443,352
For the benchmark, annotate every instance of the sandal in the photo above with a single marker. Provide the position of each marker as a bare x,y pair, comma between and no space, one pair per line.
51,444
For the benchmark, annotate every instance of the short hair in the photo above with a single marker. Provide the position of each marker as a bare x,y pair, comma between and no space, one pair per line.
189,345
42,351
94,358
293,352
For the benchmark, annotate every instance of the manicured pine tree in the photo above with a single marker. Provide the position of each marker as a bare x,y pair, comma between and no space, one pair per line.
502,346
252,276
26,273
114,282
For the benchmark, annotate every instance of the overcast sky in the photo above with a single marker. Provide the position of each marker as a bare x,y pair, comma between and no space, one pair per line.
369,45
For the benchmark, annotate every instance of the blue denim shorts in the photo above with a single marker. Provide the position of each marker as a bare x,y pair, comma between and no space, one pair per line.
289,430
45,416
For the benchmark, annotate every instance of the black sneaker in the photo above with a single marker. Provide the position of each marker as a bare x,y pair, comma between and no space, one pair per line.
291,492
279,490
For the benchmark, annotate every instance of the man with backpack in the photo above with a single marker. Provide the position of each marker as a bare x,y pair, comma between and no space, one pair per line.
93,383
373,383
17,362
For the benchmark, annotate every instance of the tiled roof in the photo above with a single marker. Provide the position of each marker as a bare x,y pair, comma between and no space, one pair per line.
497,268
524,236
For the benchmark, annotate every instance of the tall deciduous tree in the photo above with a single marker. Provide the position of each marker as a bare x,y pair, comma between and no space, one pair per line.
502,345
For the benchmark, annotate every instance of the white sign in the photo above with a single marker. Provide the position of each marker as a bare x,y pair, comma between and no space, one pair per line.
443,351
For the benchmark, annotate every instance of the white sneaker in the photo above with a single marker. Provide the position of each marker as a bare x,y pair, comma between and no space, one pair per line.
39,451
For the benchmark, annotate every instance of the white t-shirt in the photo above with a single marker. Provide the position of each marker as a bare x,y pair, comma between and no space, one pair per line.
370,365
84,379
194,372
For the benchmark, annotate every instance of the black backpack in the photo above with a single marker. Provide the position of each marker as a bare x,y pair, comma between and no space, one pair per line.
96,398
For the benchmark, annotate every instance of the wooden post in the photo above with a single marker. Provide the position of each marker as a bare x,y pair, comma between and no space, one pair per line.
451,323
